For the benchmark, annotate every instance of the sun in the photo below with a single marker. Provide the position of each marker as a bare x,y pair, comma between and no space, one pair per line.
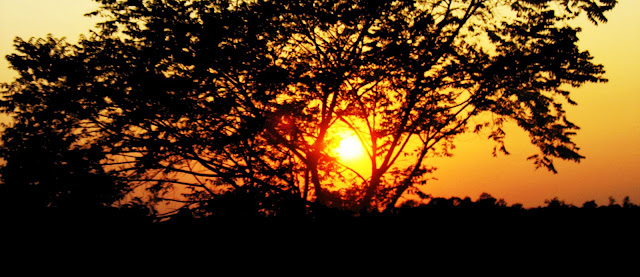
350,148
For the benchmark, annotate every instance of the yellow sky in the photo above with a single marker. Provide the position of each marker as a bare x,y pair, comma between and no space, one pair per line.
609,115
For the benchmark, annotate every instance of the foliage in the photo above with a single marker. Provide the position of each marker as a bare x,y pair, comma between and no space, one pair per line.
48,165
194,100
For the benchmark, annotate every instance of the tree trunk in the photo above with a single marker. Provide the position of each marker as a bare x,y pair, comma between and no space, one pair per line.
371,190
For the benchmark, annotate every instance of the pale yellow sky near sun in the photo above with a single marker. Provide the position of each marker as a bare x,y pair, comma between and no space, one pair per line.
609,115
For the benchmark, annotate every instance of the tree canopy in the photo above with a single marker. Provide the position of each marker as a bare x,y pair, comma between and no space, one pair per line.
192,101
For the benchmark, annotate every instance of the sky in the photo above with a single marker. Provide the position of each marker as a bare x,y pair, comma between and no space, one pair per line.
608,114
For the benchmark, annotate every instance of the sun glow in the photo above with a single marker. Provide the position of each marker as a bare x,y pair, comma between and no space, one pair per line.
350,148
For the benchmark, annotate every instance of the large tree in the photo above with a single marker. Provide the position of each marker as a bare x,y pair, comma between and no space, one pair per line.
194,100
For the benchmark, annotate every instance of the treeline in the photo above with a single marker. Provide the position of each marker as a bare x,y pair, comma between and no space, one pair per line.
435,210
486,200
487,207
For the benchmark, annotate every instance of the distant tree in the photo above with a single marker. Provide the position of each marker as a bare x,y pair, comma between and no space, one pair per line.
192,100
627,203
612,202
556,203
486,200
590,205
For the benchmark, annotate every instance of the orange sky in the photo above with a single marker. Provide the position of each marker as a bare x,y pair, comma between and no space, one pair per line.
609,115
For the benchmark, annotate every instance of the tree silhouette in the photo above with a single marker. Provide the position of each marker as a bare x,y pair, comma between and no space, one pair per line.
47,164
195,101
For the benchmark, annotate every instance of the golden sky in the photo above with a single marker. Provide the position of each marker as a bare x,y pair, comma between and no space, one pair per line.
609,115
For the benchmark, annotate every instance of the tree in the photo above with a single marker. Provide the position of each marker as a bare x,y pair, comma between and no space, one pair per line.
208,98
556,203
47,164
590,205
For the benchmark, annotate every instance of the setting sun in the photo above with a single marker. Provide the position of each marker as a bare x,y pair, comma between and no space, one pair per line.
350,148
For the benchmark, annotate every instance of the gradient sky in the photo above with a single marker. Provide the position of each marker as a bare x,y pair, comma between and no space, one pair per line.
609,115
